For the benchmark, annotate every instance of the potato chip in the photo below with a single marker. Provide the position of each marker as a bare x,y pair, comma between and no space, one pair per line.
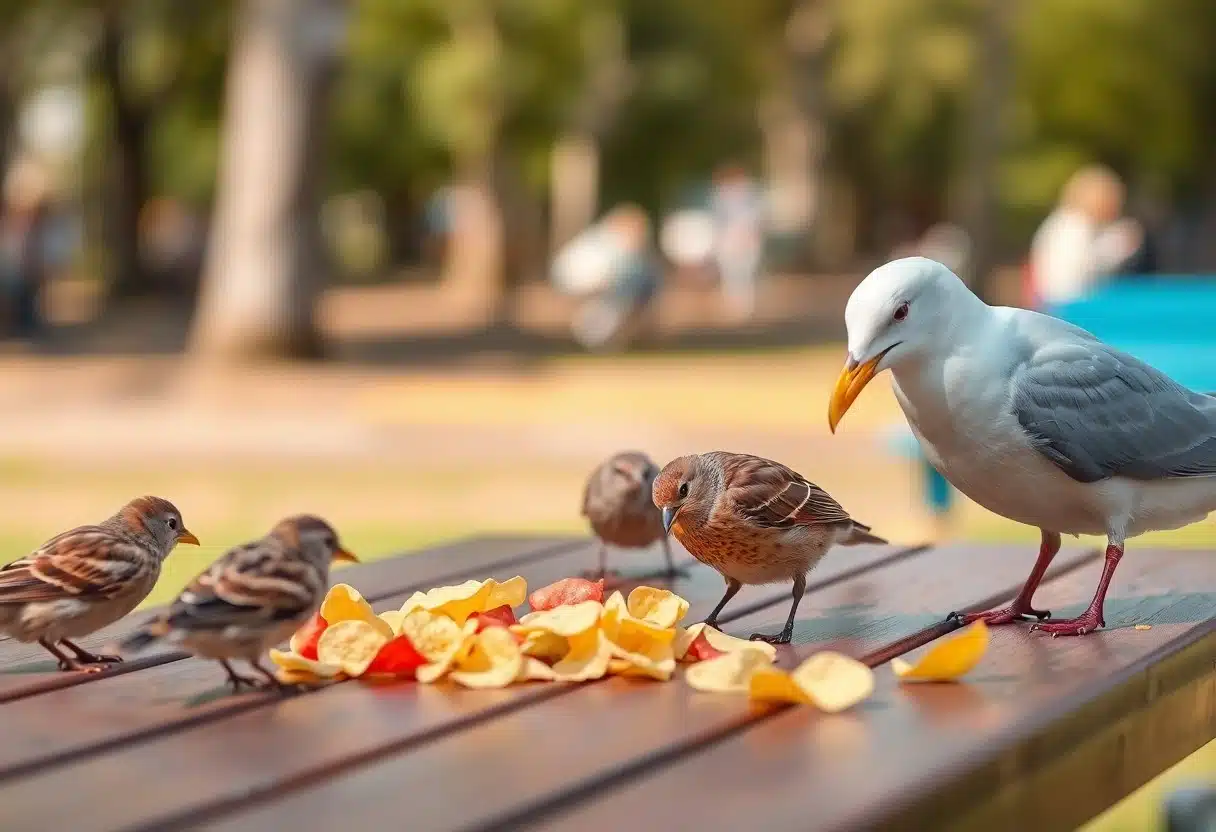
771,684
729,673
535,670
344,603
439,639
719,641
393,619
588,658
659,607
304,640
568,620
493,661
543,645
295,662
947,660
351,645
834,681
304,677
627,631
463,600
656,661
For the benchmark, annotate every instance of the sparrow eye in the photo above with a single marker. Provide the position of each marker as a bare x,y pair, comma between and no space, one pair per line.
901,312
172,524
683,490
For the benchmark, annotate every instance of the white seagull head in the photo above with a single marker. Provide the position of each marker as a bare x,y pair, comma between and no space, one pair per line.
902,311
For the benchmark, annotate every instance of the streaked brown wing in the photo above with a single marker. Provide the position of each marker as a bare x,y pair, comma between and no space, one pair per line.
84,563
771,495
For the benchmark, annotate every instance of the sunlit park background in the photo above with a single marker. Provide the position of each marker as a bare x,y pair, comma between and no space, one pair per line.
418,265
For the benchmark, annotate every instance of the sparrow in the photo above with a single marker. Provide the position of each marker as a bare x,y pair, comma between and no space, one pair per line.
87,578
254,597
617,502
753,520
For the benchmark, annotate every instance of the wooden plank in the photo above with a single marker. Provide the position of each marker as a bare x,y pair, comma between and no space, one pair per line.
1045,734
254,751
635,722
28,670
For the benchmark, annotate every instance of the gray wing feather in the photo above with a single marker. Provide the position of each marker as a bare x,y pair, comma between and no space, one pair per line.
1098,413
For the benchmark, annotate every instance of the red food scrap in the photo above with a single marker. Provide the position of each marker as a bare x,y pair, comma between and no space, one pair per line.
566,591
502,616
396,658
304,642
701,650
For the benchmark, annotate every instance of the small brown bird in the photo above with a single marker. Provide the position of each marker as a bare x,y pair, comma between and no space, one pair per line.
617,502
251,599
753,520
87,578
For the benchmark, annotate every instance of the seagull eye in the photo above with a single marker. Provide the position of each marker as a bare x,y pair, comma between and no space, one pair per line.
683,490
172,523
901,312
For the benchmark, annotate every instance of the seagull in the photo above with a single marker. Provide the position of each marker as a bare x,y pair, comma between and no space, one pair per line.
1033,418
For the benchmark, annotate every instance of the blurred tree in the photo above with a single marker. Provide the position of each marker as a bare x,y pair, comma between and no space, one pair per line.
266,263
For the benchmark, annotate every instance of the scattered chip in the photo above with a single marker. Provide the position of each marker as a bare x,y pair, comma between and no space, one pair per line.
632,633
541,644
304,640
588,658
535,670
700,650
502,616
439,639
566,591
344,603
771,684
393,619
660,607
493,660
304,677
396,658
566,620
295,662
655,661
351,645
461,601
728,673
834,681
1144,626
947,660
718,640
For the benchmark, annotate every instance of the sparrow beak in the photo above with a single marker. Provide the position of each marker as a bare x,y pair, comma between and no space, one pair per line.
852,380
187,536
344,555
669,516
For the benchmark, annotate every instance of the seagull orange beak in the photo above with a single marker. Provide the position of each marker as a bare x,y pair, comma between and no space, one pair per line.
344,555
187,536
852,380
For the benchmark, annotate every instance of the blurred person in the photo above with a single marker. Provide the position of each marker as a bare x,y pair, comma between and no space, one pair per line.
737,205
614,265
25,241
1085,240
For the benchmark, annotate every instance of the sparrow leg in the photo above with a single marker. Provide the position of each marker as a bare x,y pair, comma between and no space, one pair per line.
272,682
602,559
86,656
237,680
732,589
1020,607
66,662
787,632
1091,619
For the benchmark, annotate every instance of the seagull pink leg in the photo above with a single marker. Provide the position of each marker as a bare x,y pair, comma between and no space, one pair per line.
1020,606
1091,619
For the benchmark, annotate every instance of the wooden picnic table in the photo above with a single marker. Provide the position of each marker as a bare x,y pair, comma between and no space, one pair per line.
1044,734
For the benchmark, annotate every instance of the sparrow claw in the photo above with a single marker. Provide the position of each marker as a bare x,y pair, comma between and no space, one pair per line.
83,667
783,637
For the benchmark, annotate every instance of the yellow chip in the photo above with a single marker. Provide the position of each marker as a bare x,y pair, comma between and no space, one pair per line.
344,603
730,673
493,661
567,620
393,619
543,645
770,684
719,641
463,600
296,662
534,669
632,633
947,660
588,658
660,607
303,677
834,681
439,639
655,661
351,645
1144,626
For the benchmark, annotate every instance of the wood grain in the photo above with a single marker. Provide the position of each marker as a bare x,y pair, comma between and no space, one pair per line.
1044,734
207,766
636,723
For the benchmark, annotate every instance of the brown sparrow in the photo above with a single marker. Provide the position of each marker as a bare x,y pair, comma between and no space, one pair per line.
251,599
617,502
87,578
753,520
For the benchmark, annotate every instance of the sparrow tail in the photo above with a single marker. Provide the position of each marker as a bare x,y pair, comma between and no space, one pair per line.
143,637
860,534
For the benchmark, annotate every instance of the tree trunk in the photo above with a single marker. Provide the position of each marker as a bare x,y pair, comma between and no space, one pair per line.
126,180
575,182
474,272
264,266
